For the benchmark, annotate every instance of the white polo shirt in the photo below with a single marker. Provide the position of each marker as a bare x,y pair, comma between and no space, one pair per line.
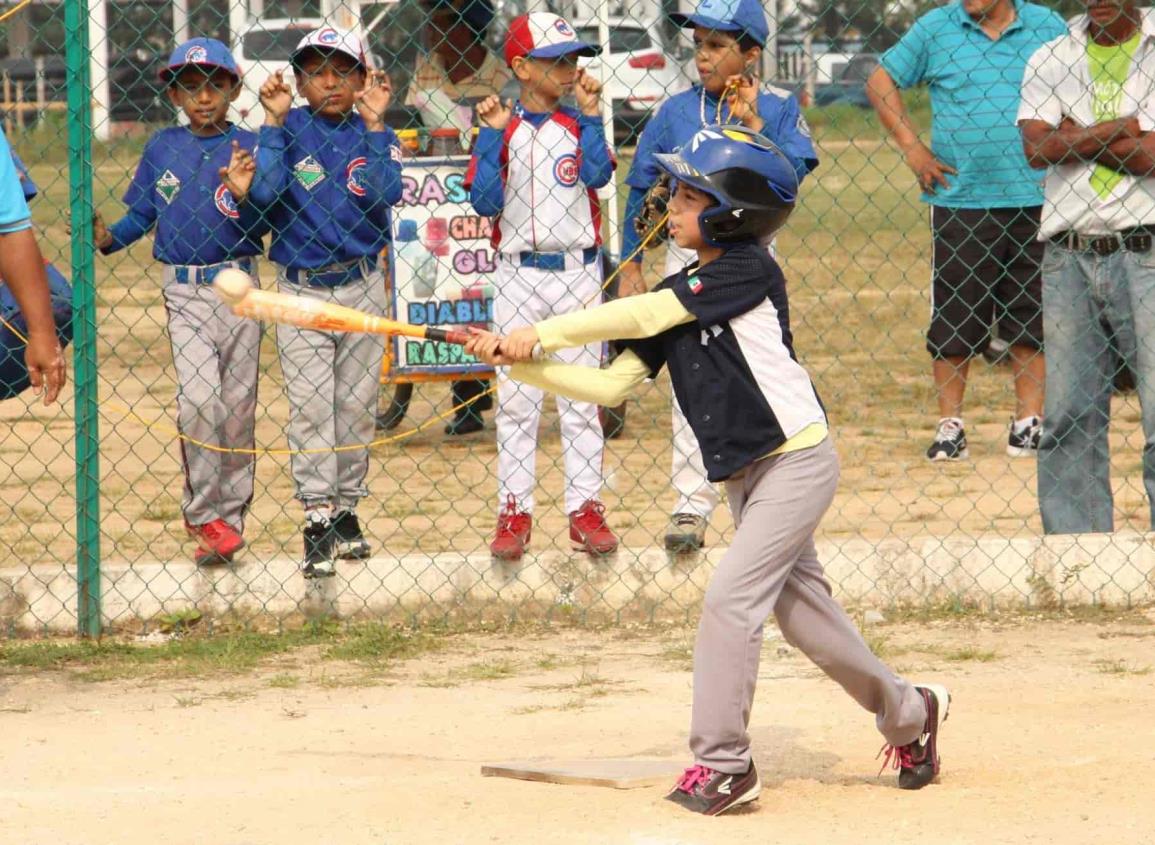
1057,84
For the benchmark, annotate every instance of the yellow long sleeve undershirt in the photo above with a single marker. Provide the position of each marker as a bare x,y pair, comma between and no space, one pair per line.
633,317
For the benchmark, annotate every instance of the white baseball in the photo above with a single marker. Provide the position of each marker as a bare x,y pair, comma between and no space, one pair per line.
232,285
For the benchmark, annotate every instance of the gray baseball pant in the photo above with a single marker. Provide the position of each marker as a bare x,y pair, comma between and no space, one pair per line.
332,380
772,565
217,359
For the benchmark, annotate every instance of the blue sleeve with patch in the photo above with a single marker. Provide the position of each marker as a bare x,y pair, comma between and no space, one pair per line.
382,171
597,167
907,61
272,176
630,237
486,187
14,214
141,202
792,135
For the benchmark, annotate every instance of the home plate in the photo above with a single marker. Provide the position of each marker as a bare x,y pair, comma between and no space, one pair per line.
617,774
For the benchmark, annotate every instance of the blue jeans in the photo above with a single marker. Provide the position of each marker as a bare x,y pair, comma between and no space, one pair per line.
1081,291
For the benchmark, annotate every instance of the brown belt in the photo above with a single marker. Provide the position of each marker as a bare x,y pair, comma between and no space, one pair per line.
1138,239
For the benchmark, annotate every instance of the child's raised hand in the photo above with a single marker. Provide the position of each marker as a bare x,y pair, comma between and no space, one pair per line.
276,98
238,175
485,346
374,99
587,91
519,345
742,98
494,113
101,237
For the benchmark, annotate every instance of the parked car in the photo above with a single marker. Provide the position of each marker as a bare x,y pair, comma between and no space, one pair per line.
261,49
848,82
637,67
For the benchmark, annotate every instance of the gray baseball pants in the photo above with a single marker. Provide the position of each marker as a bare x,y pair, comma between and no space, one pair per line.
772,566
217,358
332,380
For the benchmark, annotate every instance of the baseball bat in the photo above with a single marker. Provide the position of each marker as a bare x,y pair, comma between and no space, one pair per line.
309,313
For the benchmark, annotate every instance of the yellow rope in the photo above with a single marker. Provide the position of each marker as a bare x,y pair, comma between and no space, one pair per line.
395,438
14,10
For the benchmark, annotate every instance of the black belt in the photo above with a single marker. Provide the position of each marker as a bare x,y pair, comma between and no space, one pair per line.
1138,239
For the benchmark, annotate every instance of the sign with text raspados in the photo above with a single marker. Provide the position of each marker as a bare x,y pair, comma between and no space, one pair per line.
441,262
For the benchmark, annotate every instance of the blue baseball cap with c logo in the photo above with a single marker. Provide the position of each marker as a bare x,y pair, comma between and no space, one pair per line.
743,17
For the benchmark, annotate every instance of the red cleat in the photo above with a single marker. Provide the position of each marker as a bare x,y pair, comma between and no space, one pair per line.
217,541
588,530
513,530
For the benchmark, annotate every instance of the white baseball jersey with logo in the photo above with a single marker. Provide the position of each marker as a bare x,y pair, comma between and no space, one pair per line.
547,208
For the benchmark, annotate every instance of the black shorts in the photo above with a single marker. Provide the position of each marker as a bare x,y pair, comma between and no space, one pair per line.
987,267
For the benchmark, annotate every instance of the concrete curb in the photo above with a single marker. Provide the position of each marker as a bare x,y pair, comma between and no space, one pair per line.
635,584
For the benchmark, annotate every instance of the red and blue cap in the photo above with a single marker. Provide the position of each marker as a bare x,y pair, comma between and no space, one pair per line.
742,17
207,53
541,35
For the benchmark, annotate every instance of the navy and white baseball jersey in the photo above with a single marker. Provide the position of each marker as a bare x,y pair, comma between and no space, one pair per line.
733,368
682,115
177,189
539,178
327,188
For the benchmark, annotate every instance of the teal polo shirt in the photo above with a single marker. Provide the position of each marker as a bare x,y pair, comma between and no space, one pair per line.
974,95
13,208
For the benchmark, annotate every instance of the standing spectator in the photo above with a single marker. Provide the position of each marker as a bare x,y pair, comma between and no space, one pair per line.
22,269
537,168
457,73
728,36
327,176
1088,116
985,199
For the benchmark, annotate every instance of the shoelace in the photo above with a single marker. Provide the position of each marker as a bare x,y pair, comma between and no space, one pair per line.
897,757
948,430
508,518
592,511
213,531
693,777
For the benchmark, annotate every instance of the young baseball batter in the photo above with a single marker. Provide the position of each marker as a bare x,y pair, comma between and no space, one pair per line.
182,190
722,326
728,39
536,168
327,175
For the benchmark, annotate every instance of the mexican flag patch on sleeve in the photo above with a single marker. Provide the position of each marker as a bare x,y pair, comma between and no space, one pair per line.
695,284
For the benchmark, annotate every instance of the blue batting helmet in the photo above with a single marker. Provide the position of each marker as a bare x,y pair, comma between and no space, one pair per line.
752,181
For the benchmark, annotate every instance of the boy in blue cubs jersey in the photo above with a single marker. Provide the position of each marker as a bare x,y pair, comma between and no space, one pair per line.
728,39
327,175
185,189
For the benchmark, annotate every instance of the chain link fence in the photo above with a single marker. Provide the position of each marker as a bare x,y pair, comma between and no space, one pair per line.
152,438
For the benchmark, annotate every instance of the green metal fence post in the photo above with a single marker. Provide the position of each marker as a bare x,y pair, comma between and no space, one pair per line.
88,611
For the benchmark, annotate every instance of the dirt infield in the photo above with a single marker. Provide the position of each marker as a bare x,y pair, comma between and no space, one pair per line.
1049,740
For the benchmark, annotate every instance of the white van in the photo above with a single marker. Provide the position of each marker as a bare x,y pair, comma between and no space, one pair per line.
261,49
